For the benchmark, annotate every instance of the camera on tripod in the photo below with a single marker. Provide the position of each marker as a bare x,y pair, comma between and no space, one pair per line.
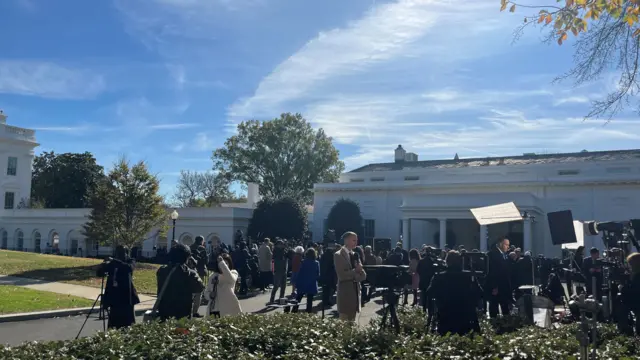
388,276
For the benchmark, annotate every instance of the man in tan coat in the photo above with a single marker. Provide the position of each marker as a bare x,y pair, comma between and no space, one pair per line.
350,274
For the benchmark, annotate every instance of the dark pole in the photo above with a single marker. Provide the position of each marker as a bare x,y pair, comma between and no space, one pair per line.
174,229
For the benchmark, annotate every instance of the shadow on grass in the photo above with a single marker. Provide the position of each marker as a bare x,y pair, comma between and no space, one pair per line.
65,274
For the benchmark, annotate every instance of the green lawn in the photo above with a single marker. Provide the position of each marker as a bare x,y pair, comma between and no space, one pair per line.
16,299
66,269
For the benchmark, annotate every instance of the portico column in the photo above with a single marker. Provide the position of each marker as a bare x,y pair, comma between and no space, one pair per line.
527,229
483,238
406,233
443,233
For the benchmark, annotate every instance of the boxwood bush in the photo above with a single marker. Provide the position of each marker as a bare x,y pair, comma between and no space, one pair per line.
300,336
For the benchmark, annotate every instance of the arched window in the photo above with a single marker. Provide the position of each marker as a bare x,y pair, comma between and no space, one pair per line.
5,240
36,242
187,240
19,240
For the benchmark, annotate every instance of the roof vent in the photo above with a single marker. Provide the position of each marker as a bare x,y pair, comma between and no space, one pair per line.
584,151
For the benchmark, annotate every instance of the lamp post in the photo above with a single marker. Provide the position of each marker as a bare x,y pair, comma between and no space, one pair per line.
174,217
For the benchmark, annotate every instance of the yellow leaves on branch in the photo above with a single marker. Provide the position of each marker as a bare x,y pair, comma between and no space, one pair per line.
572,16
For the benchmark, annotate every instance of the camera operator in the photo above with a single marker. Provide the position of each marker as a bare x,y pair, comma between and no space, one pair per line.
631,292
498,282
592,269
120,296
456,294
177,300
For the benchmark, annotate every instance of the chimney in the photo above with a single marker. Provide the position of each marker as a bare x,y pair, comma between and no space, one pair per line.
3,117
400,154
409,157
253,194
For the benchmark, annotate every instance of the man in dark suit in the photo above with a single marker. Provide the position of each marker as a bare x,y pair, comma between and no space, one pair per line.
591,269
498,283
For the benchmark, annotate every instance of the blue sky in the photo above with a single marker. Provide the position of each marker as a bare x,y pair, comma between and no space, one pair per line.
166,80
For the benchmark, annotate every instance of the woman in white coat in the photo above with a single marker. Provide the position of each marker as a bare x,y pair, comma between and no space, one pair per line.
220,290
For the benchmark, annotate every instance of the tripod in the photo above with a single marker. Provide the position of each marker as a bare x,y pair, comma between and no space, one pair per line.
101,313
391,309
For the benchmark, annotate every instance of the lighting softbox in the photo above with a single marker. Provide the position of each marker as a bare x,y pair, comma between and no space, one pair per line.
561,227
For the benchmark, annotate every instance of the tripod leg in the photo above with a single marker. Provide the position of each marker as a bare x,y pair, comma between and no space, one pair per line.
87,318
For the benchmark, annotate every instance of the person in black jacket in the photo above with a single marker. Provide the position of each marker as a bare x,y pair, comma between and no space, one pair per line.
498,282
592,269
456,294
240,259
199,254
120,296
396,258
177,299
426,270
328,275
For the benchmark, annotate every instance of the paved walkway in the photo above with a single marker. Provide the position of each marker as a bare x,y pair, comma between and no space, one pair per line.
86,292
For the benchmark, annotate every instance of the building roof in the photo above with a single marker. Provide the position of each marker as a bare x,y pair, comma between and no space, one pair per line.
527,159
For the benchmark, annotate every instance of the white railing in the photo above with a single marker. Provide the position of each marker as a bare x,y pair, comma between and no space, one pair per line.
21,133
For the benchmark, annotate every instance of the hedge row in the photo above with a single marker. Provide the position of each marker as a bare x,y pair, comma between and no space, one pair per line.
298,336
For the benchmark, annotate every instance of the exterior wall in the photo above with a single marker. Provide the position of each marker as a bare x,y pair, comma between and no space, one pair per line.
601,191
20,143
212,223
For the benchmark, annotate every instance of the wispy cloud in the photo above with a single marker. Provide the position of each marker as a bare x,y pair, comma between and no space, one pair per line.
572,100
201,142
49,80
175,126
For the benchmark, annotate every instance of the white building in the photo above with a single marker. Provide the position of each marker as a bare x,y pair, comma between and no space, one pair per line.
37,229
428,202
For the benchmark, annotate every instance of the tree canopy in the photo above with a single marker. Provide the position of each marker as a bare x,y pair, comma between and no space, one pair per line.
284,156
126,207
284,218
345,216
608,38
202,189
64,180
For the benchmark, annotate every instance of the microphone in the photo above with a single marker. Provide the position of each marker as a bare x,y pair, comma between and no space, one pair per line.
355,258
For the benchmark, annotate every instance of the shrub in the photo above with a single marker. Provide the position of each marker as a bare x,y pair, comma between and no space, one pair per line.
301,336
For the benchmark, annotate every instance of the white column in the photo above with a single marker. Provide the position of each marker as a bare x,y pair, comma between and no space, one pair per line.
443,233
406,233
484,232
527,229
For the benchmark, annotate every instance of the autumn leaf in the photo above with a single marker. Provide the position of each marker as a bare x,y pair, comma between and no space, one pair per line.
503,6
513,8
548,19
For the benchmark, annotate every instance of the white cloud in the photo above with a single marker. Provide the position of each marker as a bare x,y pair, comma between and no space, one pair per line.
175,126
201,142
572,100
48,80
405,29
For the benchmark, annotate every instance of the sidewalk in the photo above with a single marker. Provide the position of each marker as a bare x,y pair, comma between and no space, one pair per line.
87,292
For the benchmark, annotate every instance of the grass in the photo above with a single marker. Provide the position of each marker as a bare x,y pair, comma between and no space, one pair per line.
16,299
80,271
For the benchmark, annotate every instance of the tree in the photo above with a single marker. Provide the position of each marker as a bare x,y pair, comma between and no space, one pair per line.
345,216
64,180
284,218
126,206
204,189
284,156
608,35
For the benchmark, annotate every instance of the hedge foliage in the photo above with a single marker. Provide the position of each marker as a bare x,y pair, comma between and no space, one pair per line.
301,336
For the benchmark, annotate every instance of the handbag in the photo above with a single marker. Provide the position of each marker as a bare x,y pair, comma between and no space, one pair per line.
153,315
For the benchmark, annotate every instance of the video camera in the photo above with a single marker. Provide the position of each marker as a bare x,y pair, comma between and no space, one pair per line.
388,276
616,233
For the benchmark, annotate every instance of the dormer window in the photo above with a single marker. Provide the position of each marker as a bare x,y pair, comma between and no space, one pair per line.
356,180
411,178
568,172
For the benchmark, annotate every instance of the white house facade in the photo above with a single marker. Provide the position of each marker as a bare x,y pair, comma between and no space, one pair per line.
41,230
428,202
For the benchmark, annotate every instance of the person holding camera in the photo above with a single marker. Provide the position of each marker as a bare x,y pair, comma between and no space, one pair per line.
120,296
221,289
456,295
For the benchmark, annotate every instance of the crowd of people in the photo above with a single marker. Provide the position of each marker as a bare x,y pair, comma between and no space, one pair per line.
438,280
